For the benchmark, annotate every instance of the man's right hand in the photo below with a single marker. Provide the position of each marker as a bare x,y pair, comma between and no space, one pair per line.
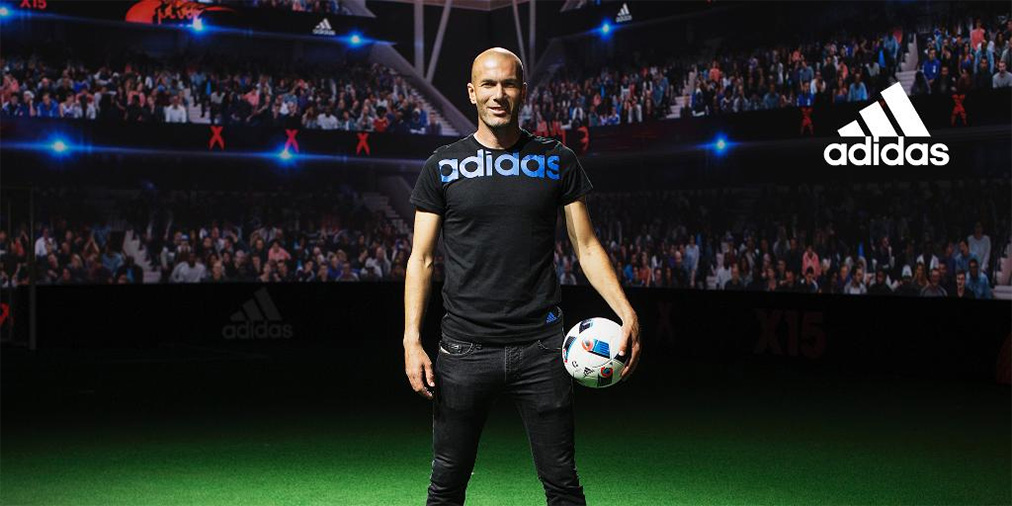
418,367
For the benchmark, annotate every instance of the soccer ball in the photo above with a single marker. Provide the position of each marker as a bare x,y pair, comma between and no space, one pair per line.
589,352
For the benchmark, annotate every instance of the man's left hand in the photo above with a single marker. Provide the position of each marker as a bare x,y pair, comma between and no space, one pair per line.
630,346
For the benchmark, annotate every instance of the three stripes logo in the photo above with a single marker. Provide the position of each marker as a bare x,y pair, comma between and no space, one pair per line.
623,14
871,153
257,319
324,28
552,317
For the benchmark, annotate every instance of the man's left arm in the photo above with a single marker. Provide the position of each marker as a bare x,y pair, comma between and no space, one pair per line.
597,266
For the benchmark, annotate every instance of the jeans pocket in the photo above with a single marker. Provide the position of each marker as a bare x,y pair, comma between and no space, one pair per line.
550,344
455,347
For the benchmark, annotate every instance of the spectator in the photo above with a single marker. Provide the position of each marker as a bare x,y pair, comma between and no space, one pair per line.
175,113
189,271
1002,78
881,285
961,291
856,285
809,284
934,288
979,245
977,281
134,274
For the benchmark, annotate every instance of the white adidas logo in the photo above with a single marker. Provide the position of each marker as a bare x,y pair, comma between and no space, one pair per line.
894,153
623,14
258,319
324,28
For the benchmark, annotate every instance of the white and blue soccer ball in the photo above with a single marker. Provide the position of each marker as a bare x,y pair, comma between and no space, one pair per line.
589,352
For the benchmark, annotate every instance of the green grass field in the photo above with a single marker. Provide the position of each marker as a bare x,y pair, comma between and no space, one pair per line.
784,440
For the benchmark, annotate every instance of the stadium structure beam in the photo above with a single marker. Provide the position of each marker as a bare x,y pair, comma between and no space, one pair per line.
530,32
520,35
439,40
420,37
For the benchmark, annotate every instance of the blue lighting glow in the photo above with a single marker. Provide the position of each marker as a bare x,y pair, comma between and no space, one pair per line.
198,24
356,39
58,146
285,155
605,28
4,11
720,144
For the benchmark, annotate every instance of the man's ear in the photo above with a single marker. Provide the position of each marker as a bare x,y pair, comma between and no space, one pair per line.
470,94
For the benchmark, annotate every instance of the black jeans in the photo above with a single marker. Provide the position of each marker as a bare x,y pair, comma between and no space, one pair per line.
469,378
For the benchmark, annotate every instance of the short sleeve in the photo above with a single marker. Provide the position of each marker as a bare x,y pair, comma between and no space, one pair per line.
575,182
428,192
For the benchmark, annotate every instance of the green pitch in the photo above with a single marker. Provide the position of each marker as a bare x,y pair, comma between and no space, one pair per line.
779,442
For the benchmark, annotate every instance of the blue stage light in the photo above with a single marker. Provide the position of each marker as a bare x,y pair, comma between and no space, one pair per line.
59,147
4,11
285,155
198,24
355,39
605,28
720,145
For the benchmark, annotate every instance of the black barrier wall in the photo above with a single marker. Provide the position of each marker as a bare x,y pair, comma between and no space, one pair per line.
848,334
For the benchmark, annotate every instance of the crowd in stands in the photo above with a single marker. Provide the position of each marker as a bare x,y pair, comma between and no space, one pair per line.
916,239
633,94
849,68
326,235
964,59
844,69
314,6
924,239
138,88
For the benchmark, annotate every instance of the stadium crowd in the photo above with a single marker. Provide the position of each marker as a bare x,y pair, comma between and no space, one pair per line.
920,239
963,59
137,88
854,240
849,68
314,6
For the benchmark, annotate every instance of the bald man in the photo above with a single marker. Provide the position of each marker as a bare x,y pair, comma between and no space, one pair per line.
496,195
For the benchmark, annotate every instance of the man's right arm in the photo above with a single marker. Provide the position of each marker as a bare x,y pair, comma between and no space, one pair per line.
417,283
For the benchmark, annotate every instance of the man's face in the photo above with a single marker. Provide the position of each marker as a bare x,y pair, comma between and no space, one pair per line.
497,90
935,277
961,279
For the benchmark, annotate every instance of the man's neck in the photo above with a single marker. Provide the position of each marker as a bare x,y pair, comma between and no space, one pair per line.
500,139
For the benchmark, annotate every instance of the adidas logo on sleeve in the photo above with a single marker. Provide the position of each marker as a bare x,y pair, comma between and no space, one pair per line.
901,152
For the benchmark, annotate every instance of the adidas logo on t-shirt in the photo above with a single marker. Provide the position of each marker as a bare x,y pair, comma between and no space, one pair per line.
894,153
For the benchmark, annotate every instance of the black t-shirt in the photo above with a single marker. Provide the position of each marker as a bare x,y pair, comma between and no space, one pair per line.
499,210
